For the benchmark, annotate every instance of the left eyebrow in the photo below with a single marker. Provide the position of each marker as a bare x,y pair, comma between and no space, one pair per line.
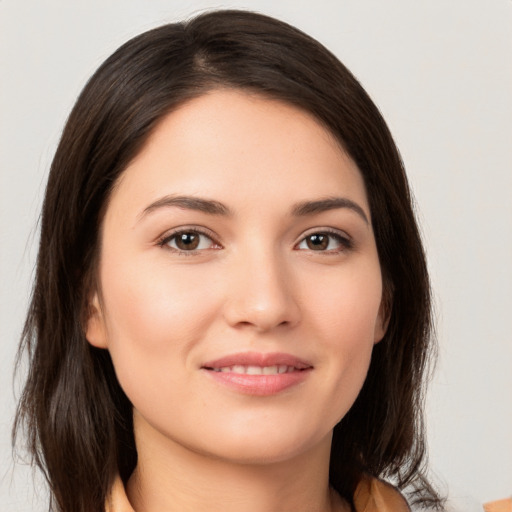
329,203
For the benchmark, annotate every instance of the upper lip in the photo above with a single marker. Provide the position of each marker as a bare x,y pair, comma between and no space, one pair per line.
258,359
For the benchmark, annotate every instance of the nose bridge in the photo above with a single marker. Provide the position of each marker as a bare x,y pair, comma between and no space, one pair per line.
262,292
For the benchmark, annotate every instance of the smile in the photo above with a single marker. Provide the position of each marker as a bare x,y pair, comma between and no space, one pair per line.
257,374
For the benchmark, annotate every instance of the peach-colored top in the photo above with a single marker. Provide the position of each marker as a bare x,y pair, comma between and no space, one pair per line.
371,495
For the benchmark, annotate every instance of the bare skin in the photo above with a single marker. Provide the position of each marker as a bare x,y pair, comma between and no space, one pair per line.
222,486
241,228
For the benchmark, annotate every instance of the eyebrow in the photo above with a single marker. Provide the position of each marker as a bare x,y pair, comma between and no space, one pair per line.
189,203
213,207
329,203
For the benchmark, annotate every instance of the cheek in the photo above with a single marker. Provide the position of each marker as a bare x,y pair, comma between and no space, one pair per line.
345,306
344,318
153,303
154,317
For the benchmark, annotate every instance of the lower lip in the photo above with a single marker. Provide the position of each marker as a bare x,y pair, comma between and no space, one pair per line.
259,385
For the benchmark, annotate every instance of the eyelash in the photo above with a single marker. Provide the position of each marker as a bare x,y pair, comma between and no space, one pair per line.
344,241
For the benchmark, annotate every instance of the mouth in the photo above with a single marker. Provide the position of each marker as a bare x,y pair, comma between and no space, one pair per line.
258,374
257,370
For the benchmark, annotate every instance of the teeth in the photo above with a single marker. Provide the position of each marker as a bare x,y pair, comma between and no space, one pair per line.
256,370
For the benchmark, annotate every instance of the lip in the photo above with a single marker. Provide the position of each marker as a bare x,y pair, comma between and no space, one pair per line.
258,385
258,359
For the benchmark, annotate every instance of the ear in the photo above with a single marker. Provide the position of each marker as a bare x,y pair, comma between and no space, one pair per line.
95,329
381,325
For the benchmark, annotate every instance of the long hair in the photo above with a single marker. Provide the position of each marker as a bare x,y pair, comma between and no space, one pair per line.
76,416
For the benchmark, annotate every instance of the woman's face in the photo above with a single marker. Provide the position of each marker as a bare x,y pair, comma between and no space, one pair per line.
240,284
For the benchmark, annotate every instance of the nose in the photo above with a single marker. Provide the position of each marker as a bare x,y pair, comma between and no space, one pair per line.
261,293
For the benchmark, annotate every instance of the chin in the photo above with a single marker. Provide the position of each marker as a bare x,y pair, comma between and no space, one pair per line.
266,445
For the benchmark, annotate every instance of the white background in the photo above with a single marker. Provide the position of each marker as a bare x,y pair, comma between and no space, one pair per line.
440,71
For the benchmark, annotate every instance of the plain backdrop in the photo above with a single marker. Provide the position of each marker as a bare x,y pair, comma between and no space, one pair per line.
441,73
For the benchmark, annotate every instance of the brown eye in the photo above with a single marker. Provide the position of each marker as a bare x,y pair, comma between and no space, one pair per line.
317,242
325,242
189,241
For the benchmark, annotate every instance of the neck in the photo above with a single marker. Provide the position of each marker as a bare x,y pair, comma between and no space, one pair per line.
170,477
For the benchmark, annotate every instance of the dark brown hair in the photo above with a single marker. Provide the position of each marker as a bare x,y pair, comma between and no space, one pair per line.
78,420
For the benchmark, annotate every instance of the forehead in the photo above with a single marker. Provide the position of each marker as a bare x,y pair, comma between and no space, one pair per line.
240,148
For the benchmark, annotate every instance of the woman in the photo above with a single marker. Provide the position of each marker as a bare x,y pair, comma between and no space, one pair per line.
231,307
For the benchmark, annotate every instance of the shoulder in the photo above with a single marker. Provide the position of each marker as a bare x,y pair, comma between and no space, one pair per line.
374,495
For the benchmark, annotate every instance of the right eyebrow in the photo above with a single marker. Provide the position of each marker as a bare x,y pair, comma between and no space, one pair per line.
188,203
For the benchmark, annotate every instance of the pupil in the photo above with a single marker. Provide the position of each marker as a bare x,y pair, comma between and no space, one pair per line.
187,241
316,242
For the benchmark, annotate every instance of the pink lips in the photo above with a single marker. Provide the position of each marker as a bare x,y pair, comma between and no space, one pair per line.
254,373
